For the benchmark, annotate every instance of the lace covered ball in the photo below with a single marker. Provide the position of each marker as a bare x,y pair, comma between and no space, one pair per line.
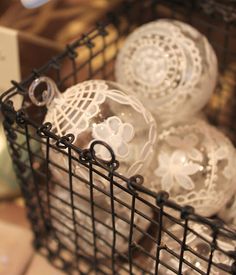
195,163
98,110
170,66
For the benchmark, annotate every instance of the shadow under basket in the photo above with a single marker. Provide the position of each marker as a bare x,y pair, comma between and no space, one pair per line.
70,237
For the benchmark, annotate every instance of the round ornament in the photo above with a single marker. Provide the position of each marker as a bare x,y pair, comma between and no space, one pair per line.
171,67
98,112
196,164
102,225
197,253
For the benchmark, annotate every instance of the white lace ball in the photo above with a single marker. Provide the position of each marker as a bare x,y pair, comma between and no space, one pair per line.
64,227
170,66
101,110
199,241
195,163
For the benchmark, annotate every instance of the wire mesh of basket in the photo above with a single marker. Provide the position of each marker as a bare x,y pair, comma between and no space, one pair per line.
78,240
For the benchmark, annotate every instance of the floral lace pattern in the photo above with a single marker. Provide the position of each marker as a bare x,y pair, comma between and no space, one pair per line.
193,159
114,133
186,144
175,169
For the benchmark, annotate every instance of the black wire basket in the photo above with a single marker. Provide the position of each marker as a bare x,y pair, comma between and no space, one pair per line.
70,236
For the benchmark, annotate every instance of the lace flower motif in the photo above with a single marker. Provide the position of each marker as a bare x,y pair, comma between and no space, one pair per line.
186,144
116,134
175,169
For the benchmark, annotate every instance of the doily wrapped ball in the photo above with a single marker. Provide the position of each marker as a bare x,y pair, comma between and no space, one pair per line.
197,253
170,66
195,163
99,110
65,227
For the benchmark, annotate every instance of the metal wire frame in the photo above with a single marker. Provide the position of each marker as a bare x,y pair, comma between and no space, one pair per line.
57,233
